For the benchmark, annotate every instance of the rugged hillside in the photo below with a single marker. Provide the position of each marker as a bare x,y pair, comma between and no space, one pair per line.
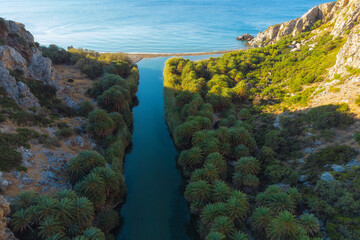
64,129
19,56
270,136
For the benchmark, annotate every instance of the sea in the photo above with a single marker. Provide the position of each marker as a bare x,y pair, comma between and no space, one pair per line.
151,26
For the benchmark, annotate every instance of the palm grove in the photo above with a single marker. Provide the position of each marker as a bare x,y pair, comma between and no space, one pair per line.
86,211
243,171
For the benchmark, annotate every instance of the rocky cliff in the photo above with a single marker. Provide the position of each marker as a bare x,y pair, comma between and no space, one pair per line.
341,16
5,233
19,56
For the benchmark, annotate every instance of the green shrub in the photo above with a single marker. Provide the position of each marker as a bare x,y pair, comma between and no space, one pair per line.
339,154
357,137
64,133
9,158
85,108
329,116
57,54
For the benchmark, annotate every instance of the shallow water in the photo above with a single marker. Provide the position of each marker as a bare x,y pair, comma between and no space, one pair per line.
150,25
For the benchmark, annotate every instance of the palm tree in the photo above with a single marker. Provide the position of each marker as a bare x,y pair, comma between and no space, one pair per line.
113,181
280,202
225,149
75,170
80,238
284,226
220,191
237,207
309,223
56,236
250,180
21,221
92,187
100,124
247,165
84,212
23,200
240,236
294,195
107,220
115,99
212,211
66,193
212,145
209,173
91,160
224,225
218,161
241,151
240,135
223,134
192,158
46,207
49,227
198,192
82,165
73,230
215,236
183,133
93,233
65,211
199,138
260,219
240,91
237,180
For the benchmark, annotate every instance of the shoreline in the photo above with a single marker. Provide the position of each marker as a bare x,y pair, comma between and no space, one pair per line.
137,57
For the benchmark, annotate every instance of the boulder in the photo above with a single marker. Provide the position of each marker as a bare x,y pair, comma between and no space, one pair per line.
337,168
245,37
303,178
327,177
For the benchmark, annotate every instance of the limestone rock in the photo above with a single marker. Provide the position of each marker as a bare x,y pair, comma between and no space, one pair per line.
324,12
12,60
337,168
327,177
19,55
41,69
348,56
17,91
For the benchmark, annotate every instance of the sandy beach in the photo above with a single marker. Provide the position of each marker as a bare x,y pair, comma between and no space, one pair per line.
136,57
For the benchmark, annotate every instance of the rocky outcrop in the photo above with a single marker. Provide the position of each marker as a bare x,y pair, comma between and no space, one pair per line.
41,69
245,37
19,91
5,232
21,56
348,56
341,14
